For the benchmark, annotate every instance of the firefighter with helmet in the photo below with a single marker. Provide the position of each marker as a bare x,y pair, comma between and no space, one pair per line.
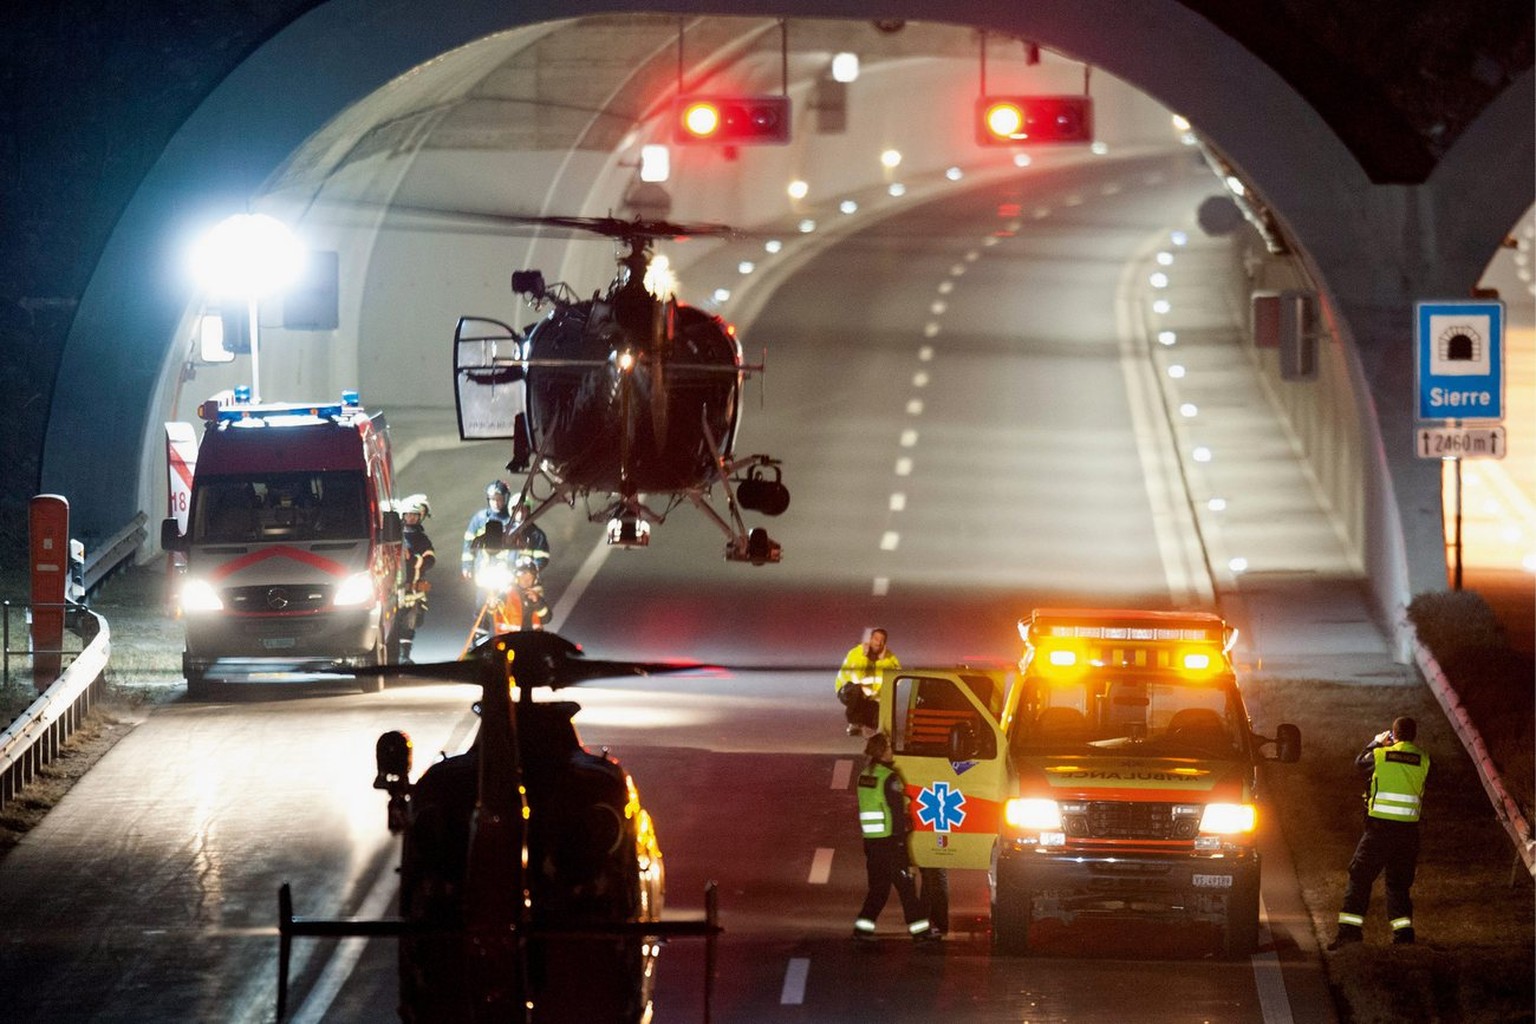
532,544
418,559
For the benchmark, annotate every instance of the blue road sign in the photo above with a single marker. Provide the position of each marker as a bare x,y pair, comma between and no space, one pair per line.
1460,360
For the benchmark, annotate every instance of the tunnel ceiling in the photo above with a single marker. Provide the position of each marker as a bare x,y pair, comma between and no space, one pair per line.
1380,74
586,83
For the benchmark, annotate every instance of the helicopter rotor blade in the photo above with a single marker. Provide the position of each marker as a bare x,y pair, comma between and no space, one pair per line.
541,658
611,227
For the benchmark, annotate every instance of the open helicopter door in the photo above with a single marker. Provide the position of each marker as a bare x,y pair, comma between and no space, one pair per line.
488,374
950,748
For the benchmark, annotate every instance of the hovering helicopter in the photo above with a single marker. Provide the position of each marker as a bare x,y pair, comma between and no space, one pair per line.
531,880
629,395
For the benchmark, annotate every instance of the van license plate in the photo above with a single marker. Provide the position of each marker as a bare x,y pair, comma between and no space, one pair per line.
1213,881
273,643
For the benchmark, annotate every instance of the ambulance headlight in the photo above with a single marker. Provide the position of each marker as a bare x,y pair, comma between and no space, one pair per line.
354,590
1033,813
1229,819
199,596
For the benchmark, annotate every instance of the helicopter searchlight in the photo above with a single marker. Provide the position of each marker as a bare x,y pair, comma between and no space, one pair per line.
631,396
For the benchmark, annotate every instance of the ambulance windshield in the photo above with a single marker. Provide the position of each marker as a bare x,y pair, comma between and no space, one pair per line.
288,507
1144,715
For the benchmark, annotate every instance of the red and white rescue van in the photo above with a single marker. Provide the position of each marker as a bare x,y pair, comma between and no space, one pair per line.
291,545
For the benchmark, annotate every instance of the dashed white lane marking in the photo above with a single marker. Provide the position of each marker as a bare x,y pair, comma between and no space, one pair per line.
957,270
842,771
915,407
821,866
908,438
794,982
882,586
930,330
920,379
945,287
898,501
938,307
903,466
925,354
889,540
1273,1002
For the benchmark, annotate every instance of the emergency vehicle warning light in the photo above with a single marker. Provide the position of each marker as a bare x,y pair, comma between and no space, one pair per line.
1021,120
731,120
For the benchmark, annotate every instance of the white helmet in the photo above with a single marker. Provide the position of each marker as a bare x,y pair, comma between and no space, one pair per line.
415,503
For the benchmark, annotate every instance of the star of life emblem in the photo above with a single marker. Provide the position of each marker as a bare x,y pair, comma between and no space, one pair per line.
941,807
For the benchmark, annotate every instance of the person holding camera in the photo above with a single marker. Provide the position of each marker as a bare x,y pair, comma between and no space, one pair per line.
1390,842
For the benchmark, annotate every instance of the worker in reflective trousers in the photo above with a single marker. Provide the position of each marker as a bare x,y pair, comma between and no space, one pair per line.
884,821
1393,803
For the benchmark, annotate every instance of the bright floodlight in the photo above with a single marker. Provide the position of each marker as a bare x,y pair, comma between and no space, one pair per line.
655,163
845,67
250,255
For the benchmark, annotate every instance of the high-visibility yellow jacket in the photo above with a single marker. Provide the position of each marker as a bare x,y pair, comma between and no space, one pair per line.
1396,790
882,803
859,668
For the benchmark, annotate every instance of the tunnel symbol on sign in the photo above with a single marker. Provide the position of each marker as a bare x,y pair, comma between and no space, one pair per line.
1461,346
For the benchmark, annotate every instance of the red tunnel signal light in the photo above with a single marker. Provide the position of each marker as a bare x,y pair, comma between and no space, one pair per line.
731,120
1023,120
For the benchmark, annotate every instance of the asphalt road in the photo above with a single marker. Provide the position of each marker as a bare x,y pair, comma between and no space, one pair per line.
966,437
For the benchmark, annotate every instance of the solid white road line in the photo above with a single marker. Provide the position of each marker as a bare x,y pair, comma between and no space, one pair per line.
578,586
348,951
1172,522
1267,977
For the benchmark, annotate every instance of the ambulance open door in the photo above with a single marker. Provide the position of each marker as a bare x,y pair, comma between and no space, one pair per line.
953,756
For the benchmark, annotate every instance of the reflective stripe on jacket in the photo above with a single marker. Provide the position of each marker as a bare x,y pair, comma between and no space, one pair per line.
857,668
1397,782
876,820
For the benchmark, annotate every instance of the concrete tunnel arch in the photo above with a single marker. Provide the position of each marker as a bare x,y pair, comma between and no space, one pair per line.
1373,249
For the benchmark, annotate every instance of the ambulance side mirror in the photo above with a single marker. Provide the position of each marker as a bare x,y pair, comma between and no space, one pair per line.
391,529
170,536
1287,743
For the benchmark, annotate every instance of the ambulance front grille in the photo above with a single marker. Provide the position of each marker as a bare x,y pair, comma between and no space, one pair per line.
1120,819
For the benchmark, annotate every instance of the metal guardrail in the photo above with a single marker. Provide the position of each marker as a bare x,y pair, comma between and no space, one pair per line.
114,551
36,737
1504,806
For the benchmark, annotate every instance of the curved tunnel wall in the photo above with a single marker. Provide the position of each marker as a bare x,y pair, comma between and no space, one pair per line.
1373,248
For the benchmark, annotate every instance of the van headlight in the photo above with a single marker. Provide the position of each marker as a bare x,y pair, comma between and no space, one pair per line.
354,590
200,596
1033,813
1229,819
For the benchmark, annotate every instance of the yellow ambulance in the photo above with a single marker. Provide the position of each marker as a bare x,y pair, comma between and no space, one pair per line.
1113,775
